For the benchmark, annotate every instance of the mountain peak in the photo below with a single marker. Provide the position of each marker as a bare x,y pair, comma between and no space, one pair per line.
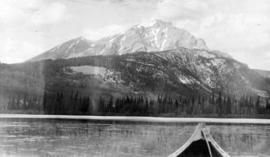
157,35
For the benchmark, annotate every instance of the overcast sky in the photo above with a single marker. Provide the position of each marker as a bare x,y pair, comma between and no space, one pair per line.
238,27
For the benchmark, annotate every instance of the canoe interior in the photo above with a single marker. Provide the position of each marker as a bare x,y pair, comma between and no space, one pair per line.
199,149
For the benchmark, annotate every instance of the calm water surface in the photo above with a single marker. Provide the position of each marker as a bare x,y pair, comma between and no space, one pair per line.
30,137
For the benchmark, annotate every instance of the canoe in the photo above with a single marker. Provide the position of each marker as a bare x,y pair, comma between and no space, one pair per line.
200,144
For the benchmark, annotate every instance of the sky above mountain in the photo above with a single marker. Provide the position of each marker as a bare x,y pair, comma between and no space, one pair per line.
30,27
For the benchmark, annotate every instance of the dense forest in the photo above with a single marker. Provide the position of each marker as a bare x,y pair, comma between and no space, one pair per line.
75,103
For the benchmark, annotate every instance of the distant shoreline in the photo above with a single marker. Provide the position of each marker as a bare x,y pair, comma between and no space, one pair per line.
140,119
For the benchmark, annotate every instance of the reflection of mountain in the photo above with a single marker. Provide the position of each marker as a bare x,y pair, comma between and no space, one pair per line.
158,37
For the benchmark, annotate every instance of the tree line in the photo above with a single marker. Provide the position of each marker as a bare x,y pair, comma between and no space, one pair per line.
215,105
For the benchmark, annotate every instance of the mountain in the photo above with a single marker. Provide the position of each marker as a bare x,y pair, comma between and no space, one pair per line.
180,71
189,62
159,36
160,63
195,78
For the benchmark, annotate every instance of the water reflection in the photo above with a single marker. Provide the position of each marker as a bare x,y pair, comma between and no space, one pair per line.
87,138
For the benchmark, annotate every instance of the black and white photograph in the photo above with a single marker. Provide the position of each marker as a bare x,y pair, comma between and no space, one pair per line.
134,78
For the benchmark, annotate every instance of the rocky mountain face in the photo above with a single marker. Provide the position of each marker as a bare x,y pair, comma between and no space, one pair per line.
162,56
159,36
179,71
175,72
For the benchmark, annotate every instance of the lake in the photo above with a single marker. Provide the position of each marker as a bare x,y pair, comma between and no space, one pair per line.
63,137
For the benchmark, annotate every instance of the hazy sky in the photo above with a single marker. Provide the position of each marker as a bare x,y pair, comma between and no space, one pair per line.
238,27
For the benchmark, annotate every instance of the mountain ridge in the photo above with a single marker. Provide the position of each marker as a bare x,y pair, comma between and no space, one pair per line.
158,36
